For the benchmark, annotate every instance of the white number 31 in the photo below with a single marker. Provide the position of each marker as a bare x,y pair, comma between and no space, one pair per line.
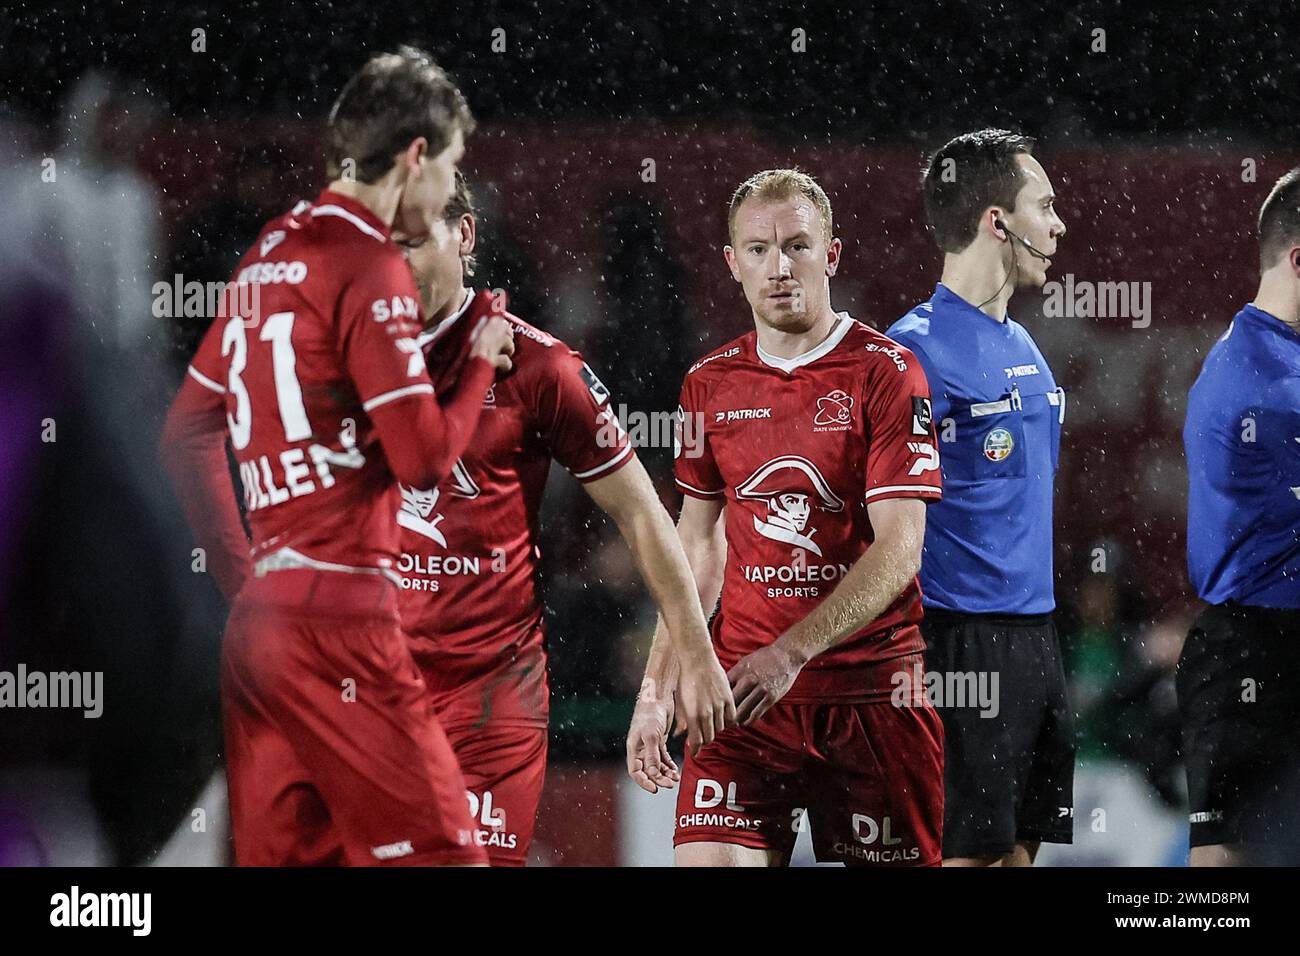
277,329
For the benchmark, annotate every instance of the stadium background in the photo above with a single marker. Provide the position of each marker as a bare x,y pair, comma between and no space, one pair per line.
1161,148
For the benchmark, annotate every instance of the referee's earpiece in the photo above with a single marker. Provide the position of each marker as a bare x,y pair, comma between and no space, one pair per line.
1008,235
1001,227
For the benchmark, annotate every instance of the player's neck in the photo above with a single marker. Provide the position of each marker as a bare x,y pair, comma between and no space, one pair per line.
381,197
788,345
449,308
1277,296
979,275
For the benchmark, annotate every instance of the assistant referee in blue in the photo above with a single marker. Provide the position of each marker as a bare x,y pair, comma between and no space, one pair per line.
1239,674
986,570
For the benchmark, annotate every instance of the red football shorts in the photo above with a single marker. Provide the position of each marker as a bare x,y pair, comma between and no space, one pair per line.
333,755
505,769
867,778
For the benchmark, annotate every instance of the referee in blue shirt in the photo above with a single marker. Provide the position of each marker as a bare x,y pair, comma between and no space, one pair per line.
986,572
1239,673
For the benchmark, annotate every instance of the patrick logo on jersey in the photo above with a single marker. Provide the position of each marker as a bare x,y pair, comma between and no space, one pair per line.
790,487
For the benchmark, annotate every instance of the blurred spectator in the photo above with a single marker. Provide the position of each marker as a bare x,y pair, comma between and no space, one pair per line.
1120,667
640,342
106,213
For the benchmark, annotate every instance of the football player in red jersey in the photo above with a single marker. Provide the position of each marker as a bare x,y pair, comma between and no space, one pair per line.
470,602
807,458
332,755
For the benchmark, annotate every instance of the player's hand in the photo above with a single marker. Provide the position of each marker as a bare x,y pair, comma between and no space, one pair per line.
648,762
494,335
496,343
704,699
761,679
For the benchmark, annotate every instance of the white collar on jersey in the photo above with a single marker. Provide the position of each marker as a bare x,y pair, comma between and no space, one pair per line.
813,354
432,335
332,210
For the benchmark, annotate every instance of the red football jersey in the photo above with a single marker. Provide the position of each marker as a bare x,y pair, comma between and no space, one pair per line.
798,448
322,331
469,601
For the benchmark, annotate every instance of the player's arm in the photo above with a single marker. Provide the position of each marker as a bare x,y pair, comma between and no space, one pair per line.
873,583
629,497
193,452
421,438
700,531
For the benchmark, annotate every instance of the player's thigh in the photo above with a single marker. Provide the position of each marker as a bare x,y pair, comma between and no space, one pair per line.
877,794
1217,854
277,816
1023,854
360,721
725,854
504,770
746,789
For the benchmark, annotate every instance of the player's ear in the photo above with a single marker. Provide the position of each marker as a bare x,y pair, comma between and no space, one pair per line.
414,152
729,254
833,257
1294,258
468,234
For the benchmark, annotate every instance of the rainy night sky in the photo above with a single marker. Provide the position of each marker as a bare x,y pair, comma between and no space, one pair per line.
880,71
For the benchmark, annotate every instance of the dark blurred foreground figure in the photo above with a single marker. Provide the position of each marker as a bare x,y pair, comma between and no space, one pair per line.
1240,666
96,564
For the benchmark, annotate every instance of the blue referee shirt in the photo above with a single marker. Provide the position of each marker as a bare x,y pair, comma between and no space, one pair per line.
1242,438
998,414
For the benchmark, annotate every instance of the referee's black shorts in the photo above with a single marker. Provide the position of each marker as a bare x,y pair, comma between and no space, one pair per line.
1009,773
1239,701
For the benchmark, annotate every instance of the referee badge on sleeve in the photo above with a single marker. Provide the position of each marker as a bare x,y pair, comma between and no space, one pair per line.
920,415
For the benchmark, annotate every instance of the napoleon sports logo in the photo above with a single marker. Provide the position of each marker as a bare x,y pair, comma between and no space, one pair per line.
418,504
789,486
